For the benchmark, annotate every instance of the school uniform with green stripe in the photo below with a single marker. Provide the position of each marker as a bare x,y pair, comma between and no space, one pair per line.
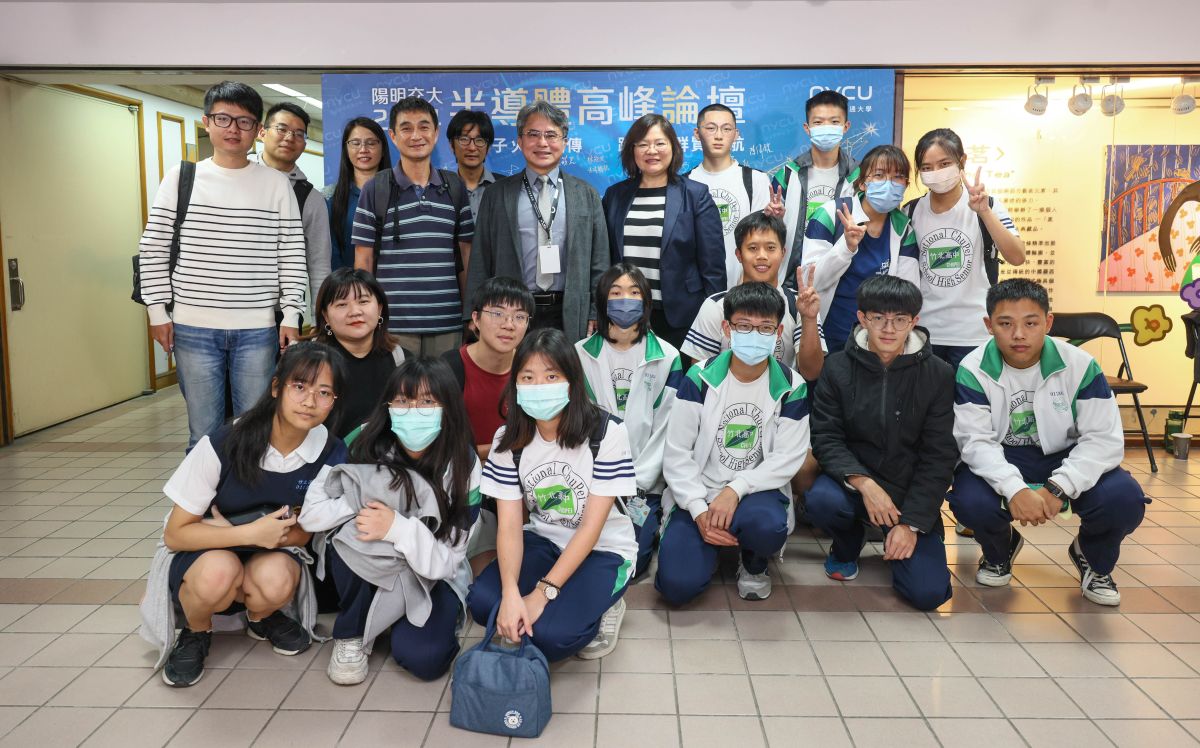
1072,406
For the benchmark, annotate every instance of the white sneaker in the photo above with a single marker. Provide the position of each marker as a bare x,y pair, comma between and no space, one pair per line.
606,638
753,586
348,663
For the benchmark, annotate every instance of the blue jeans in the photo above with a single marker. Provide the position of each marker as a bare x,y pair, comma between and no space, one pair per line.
686,563
922,579
203,357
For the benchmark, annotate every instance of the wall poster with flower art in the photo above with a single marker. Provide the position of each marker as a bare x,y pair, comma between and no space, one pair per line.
1151,219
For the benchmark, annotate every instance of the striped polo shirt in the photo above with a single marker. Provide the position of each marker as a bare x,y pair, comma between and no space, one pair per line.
643,234
418,257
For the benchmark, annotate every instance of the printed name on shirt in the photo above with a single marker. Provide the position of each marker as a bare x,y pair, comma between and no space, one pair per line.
728,206
559,494
622,379
739,436
947,258
1022,423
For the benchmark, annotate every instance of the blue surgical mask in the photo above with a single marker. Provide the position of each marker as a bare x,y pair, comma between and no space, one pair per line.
543,401
416,428
752,347
826,137
625,313
885,196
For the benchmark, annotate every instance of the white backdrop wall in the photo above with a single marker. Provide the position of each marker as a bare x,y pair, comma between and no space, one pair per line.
891,33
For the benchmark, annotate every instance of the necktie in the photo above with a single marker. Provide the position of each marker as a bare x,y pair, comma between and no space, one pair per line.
545,204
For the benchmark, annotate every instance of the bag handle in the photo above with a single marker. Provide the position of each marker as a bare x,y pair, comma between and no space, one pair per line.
485,645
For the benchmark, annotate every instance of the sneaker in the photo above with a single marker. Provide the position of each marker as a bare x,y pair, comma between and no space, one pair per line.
348,663
998,575
185,664
841,571
286,636
753,586
606,638
1099,588
962,530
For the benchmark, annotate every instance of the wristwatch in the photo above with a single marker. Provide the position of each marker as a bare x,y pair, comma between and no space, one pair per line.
550,590
1057,492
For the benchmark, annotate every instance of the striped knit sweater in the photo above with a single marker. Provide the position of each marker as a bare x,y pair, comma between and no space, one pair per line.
241,250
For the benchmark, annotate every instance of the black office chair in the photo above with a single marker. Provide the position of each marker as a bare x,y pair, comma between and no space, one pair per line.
1191,328
1080,327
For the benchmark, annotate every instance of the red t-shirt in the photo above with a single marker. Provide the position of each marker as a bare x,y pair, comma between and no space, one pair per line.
481,394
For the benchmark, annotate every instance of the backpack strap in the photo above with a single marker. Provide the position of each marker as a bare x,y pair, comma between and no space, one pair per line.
302,188
748,182
381,187
991,257
453,359
599,431
398,355
187,177
457,190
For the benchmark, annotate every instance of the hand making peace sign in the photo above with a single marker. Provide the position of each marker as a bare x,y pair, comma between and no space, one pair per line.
775,207
808,302
854,232
977,197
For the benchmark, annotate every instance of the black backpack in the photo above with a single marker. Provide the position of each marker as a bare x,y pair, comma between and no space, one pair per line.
382,185
747,180
991,256
187,177
302,188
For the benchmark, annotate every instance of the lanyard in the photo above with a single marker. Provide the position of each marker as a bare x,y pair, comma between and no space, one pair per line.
534,204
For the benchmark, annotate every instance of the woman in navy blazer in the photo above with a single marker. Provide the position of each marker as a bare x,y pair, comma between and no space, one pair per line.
666,225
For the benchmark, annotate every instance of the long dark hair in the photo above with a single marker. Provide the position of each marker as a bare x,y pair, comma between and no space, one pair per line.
250,434
452,453
345,282
341,192
578,418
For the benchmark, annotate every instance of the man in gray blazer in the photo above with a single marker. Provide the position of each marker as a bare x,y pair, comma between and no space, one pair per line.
543,227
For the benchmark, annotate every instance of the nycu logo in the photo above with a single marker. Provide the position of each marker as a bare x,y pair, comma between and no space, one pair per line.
853,93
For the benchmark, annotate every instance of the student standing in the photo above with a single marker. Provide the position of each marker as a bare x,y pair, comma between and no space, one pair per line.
881,431
738,432
824,172
736,189
418,243
665,225
955,224
400,512
231,542
241,254
850,239
364,152
555,577
1040,436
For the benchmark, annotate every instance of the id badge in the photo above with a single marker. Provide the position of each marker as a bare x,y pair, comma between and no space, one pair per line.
638,509
548,260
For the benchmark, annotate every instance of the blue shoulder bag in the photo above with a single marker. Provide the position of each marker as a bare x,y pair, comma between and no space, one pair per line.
501,690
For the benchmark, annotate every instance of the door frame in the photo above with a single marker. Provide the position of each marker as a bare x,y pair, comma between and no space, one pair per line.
6,415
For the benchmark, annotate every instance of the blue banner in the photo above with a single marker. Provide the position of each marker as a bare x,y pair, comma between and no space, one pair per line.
602,104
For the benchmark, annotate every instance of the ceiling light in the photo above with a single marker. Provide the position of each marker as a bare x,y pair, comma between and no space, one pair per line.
1112,104
1036,103
1080,101
284,90
1183,103
311,101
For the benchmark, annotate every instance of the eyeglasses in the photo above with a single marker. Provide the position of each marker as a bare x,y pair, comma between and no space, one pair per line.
220,119
658,145
369,144
284,131
881,177
421,403
520,319
408,130
551,136
723,129
464,141
899,323
745,327
298,393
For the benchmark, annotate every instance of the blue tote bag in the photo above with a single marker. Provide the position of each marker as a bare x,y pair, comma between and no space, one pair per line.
501,690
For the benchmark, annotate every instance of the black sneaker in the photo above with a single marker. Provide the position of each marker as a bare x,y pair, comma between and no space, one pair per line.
185,664
286,636
998,575
1099,588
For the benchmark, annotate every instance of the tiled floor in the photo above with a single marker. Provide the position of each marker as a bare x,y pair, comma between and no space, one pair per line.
819,663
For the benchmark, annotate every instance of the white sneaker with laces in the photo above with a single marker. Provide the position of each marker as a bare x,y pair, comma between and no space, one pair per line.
606,637
753,586
348,663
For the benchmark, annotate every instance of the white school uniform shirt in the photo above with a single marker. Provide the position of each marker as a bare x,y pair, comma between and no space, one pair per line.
1020,386
651,394
728,191
705,338
954,283
555,484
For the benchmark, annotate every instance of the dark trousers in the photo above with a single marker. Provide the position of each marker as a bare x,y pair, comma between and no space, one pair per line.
548,315
1108,511
571,621
686,563
425,651
663,329
952,354
922,579
647,534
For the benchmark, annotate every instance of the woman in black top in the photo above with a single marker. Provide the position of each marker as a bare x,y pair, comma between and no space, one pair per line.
352,316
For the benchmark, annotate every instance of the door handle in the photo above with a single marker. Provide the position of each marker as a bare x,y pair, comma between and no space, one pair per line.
16,286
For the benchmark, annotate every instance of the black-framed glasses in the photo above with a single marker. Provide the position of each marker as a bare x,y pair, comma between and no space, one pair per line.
899,322
283,131
745,327
220,119
465,140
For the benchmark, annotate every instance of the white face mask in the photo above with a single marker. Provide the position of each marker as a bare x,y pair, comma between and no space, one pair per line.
942,180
